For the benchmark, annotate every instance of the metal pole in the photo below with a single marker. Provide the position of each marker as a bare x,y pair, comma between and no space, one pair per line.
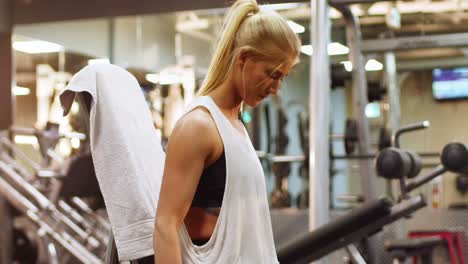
6,119
111,39
353,36
393,91
6,65
368,182
394,108
319,107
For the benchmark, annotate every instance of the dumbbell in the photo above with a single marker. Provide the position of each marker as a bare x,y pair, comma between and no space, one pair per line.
394,163
455,157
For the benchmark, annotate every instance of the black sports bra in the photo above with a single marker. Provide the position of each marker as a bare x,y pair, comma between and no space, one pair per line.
210,189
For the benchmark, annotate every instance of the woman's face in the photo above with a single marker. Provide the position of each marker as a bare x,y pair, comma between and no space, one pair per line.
259,79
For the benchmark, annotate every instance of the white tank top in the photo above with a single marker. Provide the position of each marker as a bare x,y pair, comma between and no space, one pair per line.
243,232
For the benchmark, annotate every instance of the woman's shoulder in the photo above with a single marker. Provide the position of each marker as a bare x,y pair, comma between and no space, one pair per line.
195,132
195,123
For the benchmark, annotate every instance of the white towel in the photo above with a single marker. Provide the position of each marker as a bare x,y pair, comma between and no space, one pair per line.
127,153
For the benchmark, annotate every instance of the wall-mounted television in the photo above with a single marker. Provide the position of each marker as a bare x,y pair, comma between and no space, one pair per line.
450,83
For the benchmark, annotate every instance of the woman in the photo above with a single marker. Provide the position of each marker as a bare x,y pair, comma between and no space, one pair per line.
210,160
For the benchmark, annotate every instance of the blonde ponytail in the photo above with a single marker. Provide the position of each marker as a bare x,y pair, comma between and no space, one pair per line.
222,60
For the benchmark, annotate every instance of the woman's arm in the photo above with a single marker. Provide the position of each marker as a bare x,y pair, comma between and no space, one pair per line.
190,146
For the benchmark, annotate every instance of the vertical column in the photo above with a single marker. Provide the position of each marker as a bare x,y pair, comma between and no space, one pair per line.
353,37
111,40
319,108
393,100
368,180
6,65
6,120
393,90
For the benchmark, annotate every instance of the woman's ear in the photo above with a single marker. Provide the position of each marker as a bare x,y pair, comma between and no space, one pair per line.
243,56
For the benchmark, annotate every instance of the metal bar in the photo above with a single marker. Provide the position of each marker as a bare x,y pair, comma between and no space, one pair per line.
355,255
26,186
65,240
426,178
87,225
337,136
348,198
85,208
319,109
45,133
43,202
16,165
26,207
15,198
406,129
415,42
287,158
373,155
299,158
6,142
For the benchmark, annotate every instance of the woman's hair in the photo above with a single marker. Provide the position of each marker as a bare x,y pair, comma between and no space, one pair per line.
265,34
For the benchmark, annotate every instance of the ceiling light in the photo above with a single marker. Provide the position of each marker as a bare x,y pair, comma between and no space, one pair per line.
334,14
373,65
36,46
298,29
348,65
166,79
25,140
307,49
98,61
152,77
18,91
334,48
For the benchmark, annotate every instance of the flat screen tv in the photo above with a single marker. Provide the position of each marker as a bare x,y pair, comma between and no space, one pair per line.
450,83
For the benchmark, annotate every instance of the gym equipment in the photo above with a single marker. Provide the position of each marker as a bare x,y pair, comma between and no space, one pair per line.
400,250
359,224
393,163
303,197
350,137
370,218
454,156
36,197
453,240
351,140
280,197
453,159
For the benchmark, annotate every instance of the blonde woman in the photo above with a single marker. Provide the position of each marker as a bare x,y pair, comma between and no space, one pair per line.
213,204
